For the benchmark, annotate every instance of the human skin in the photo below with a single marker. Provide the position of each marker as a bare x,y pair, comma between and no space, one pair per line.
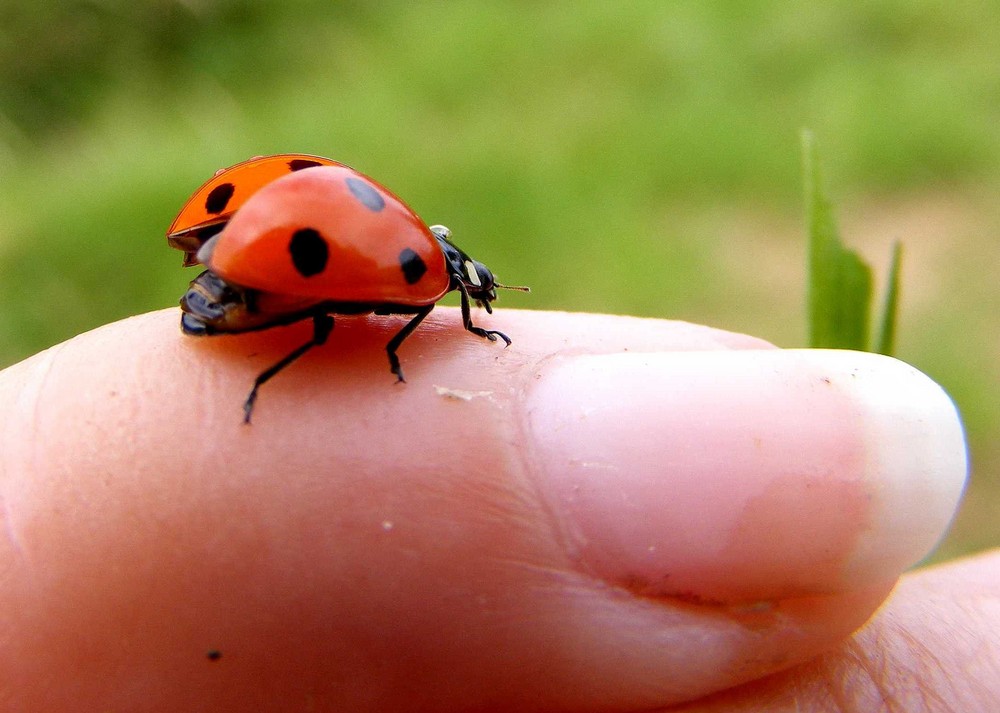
612,514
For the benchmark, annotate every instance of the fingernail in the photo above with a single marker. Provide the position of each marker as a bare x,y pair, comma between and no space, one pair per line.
747,474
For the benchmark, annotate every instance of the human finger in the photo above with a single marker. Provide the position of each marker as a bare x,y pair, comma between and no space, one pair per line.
613,513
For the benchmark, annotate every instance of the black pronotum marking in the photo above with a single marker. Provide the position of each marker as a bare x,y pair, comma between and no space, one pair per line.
412,264
309,252
297,164
218,199
364,192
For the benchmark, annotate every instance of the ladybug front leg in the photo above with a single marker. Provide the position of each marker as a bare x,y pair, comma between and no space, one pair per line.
322,326
490,334
403,333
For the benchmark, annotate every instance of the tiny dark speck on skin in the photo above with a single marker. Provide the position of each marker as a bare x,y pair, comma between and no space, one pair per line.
214,655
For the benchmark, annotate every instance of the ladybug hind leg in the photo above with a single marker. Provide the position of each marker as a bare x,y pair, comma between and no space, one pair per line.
490,334
322,326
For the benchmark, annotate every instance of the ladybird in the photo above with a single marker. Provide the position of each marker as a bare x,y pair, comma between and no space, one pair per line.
297,242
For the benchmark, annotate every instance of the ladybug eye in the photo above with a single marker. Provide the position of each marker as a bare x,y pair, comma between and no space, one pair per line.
477,275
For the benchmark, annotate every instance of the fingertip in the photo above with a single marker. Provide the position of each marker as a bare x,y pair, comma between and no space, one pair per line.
747,475
915,462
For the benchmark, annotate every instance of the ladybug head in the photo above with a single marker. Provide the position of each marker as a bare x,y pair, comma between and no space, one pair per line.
472,274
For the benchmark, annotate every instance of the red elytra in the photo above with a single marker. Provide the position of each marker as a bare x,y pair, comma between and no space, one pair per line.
331,234
316,241
210,207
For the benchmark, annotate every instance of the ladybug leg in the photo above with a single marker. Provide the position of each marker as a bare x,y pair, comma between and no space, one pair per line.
403,333
322,326
490,334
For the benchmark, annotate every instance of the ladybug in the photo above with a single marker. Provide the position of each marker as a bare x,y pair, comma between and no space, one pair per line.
293,237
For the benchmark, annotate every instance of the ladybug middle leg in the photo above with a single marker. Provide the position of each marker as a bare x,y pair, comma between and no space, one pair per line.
322,326
490,334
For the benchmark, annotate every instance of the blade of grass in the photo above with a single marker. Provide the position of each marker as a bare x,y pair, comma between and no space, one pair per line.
840,283
886,343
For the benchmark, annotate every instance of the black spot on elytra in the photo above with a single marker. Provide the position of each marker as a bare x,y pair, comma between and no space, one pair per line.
297,164
412,264
218,199
366,193
214,655
309,252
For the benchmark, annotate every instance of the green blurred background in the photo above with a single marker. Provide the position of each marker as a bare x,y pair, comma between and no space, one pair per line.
637,157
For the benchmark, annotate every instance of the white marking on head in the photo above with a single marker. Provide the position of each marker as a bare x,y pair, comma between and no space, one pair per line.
472,274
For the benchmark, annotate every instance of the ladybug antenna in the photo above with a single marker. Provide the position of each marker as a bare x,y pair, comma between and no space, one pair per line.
519,288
